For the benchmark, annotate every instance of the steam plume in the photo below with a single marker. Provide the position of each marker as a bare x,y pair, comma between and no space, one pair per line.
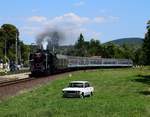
53,37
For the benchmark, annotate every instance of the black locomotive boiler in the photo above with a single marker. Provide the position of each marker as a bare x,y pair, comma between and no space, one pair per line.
44,62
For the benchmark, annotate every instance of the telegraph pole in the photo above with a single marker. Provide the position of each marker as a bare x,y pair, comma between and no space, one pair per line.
5,50
16,49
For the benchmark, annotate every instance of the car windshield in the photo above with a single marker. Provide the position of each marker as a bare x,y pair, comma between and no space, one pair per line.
76,85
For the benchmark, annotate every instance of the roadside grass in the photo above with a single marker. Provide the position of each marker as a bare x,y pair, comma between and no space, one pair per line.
118,93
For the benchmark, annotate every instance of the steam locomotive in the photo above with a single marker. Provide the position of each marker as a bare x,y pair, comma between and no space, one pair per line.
44,62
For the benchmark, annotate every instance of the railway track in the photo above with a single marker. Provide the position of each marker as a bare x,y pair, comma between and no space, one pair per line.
11,82
30,78
12,88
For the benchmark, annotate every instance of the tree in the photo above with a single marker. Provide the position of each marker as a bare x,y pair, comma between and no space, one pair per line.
138,57
94,48
80,46
86,48
109,51
24,51
11,36
118,52
146,45
2,43
128,51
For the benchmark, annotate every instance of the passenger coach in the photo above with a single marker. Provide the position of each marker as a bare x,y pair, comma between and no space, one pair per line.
48,63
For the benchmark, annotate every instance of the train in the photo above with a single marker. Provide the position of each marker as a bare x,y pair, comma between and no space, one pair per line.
43,62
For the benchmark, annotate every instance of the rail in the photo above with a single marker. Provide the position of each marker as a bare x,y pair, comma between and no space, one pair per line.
11,82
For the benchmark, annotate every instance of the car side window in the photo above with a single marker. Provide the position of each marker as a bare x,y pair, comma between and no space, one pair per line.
87,85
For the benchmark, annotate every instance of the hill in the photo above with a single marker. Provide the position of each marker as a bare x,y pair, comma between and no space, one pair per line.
133,41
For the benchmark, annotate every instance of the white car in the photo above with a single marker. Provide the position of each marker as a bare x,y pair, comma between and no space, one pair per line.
78,89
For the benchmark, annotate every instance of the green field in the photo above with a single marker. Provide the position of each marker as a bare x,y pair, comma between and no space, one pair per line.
118,93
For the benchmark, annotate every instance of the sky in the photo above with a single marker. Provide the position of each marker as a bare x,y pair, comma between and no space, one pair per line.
103,20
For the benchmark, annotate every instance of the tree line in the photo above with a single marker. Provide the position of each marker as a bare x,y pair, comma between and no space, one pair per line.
109,50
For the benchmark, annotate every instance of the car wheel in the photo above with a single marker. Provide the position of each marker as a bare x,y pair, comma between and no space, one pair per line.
91,94
82,95
63,96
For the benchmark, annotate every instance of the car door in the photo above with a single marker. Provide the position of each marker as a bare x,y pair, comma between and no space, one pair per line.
87,89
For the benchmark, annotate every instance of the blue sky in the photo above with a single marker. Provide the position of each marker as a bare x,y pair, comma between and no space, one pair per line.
100,19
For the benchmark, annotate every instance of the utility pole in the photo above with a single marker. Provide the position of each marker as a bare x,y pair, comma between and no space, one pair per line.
5,50
16,49
20,53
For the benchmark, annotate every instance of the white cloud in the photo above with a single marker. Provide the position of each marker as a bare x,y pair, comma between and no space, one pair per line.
80,3
69,19
70,23
99,19
37,19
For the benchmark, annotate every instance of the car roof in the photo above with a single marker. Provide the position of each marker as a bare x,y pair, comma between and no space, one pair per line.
79,82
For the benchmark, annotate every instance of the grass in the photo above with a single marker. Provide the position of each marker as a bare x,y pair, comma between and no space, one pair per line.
118,93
